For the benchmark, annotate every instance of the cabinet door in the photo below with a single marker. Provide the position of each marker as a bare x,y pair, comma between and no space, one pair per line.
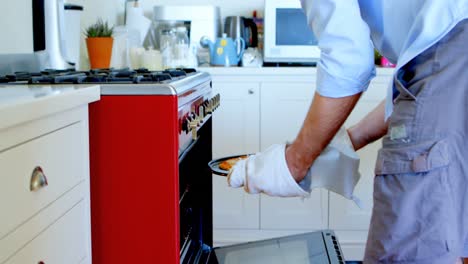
235,131
350,222
283,109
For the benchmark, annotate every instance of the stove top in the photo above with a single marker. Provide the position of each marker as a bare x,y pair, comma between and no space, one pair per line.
100,76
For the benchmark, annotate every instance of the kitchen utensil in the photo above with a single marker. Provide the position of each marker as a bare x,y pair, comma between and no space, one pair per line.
214,164
241,27
224,52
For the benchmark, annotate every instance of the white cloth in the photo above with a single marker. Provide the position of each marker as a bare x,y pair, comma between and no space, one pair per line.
336,169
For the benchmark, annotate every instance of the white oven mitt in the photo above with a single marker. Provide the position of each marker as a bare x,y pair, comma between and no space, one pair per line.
336,169
266,172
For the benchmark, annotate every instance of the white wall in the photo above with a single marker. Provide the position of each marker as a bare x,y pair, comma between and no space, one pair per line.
228,7
16,25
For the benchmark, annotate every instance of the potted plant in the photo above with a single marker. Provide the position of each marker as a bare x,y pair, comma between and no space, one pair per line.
99,43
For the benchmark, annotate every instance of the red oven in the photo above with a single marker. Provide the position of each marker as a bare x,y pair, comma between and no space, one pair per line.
150,185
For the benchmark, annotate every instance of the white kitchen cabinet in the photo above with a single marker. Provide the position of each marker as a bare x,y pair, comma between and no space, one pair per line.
49,223
285,97
284,106
235,131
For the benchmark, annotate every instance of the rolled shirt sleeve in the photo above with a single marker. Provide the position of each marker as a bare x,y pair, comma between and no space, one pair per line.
346,63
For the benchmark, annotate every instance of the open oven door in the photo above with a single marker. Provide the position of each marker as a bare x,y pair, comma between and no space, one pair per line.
320,247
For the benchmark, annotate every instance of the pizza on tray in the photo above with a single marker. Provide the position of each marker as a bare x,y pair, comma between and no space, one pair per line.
229,163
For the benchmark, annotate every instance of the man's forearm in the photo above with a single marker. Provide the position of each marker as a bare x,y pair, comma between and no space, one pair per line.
326,115
370,128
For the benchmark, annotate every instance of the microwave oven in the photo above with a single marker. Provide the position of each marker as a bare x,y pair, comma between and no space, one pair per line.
287,35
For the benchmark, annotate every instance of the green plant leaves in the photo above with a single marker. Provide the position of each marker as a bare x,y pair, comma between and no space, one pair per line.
99,30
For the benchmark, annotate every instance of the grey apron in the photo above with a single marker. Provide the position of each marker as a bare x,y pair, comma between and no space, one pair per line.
420,212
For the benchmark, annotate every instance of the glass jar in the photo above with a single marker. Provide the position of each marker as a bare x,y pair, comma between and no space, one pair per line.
166,44
181,51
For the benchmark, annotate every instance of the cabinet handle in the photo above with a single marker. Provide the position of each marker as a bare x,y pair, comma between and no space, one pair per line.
38,179
251,91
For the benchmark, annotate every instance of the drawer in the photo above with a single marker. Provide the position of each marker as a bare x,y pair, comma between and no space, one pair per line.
61,155
65,241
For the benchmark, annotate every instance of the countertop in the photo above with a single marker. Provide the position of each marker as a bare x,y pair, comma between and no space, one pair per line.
288,71
22,103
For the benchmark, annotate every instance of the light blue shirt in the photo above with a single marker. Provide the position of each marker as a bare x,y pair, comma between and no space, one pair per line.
348,31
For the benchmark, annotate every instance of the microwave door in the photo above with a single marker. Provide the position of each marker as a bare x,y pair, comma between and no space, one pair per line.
319,247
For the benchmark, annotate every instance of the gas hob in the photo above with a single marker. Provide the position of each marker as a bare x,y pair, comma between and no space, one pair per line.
103,76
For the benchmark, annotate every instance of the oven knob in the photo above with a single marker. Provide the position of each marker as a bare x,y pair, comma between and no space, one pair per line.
193,119
201,113
213,105
205,110
208,108
216,101
185,125
196,118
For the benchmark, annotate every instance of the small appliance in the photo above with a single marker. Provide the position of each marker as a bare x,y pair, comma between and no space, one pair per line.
51,40
241,27
287,35
225,51
200,20
56,33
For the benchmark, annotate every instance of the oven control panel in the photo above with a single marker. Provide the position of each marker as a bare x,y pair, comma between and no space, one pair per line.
193,115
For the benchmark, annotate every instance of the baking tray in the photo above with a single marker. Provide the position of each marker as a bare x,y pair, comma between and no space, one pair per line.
214,164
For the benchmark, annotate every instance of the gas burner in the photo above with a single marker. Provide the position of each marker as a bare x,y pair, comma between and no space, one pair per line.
63,77
110,75
175,73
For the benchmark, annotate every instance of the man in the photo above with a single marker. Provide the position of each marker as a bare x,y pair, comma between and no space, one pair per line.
419,214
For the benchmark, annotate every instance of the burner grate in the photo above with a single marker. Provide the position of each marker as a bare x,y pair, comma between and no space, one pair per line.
97,76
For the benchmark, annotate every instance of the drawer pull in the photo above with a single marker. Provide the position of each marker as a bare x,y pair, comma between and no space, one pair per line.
38,179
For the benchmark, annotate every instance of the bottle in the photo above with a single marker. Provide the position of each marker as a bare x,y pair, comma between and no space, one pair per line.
166,44
181,53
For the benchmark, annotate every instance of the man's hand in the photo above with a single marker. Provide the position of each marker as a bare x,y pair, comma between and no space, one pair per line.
266,172
336,169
